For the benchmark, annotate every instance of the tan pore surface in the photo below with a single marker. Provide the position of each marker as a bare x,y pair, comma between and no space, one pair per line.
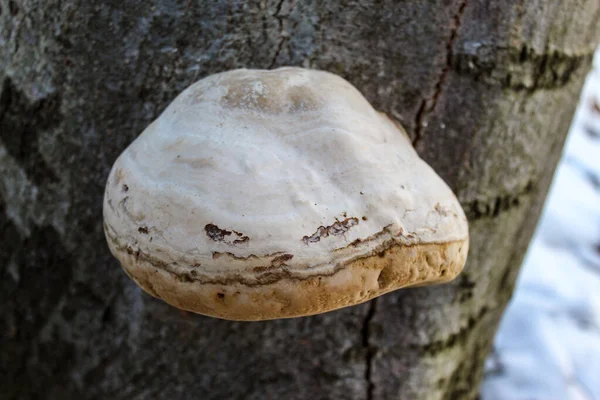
359,281
272,194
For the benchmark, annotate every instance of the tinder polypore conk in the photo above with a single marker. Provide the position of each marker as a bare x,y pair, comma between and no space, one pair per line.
273,194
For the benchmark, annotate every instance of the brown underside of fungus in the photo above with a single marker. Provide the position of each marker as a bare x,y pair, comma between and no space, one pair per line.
274,194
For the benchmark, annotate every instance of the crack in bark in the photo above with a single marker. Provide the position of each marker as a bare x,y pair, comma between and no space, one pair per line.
366,335
282,37
424,108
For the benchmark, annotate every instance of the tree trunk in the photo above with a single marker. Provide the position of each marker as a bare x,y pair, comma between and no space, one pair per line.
486,89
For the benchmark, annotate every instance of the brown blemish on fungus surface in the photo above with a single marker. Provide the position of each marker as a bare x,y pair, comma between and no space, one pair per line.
280,261
268,274
215,233
219,235
217,254
336,229
242,238
119,175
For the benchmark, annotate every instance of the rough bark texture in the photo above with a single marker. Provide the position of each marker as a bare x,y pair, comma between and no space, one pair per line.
486,89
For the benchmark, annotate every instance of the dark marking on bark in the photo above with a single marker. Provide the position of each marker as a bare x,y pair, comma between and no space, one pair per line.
504,282
435,347
428,105
466,286
369,349
491,208
22,122
336,229
463,383
465,282
143,229
465,296
520,69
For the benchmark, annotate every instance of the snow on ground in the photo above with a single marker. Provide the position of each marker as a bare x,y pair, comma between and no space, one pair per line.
548,343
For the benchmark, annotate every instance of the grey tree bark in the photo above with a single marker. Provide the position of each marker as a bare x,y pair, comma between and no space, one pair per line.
486,90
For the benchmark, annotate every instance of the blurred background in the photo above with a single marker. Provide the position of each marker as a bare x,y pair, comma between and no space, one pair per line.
548,343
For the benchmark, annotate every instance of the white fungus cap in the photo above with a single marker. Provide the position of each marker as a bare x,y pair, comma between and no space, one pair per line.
270,194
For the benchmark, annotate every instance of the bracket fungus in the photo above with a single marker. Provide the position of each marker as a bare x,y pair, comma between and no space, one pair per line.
273,194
